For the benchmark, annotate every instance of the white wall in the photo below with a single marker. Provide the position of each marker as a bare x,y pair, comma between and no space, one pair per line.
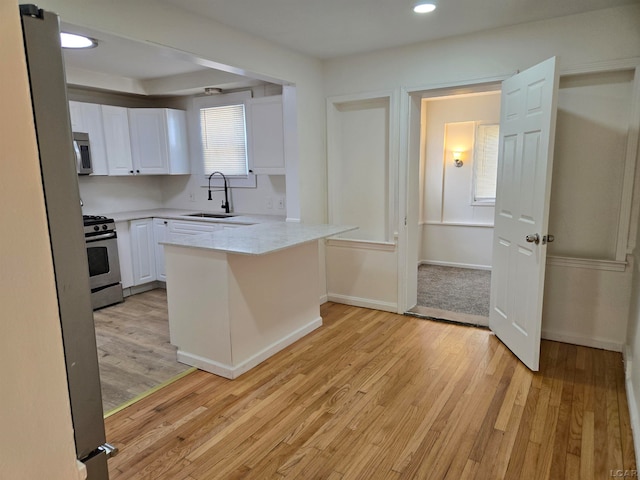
455,232
101,195
36,435
359,192
632,355
269,189
588,171
583,39
362,275
362,269
603,36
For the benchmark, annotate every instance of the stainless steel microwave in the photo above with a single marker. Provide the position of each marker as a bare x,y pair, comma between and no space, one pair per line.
82,153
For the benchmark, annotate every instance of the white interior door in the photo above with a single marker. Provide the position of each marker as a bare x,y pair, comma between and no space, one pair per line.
527,131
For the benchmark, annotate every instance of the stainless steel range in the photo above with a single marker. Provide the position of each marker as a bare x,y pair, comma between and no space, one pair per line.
104,265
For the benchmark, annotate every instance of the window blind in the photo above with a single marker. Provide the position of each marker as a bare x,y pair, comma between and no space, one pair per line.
486,162
224,140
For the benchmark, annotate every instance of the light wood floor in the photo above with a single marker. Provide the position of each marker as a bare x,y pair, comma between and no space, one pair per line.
134,352
373,395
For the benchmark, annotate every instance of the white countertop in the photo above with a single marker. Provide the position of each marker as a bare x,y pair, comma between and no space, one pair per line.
179,214
258,239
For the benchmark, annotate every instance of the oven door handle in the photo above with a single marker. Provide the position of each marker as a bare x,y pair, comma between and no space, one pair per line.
100,237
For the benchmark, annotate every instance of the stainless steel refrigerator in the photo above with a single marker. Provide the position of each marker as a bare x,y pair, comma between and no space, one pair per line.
64,215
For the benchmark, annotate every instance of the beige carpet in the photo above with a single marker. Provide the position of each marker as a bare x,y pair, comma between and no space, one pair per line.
452,289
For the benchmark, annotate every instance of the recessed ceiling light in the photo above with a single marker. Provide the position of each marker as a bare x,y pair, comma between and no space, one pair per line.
71,40
424,7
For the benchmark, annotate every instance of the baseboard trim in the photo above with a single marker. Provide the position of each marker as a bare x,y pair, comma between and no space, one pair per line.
234,371
634,415
454,264
324,298
135,289
582,341
363,302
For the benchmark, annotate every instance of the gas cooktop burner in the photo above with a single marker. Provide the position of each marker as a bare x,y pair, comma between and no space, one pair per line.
95,219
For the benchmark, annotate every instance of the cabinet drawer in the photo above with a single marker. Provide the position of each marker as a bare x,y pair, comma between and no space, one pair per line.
192,228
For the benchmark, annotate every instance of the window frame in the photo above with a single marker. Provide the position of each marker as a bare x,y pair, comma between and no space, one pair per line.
475,202
207,101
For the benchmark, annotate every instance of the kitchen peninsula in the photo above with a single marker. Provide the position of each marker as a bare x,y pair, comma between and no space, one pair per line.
238,296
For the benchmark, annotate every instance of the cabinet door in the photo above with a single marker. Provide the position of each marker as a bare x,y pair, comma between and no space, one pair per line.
267,135
117,140
143,251
160,227
124,254
87,117
149,147
177,142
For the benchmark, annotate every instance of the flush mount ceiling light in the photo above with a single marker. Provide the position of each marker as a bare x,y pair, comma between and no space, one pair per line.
71,40
423,7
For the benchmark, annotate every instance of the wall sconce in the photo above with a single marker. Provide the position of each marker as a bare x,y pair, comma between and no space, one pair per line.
457,159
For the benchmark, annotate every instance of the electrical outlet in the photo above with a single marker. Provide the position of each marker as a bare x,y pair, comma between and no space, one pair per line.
269,203
192,197
281,203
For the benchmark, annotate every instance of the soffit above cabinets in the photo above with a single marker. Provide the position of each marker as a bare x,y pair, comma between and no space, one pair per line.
127,66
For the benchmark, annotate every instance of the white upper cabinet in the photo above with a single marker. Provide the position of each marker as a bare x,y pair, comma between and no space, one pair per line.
115,121
158,141
266,135
87,118
133,141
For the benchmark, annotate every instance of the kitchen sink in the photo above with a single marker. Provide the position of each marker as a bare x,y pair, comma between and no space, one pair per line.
210,215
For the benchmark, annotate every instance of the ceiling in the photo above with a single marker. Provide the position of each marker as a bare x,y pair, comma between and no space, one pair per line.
332,28
324,29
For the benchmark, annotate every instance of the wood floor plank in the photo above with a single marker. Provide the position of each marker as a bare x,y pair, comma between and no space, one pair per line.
373,395
563,426
134,352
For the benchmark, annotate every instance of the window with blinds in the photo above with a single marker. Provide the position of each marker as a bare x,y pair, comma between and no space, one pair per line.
224,140
485,171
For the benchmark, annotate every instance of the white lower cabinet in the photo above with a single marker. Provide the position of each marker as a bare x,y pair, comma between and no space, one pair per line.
160,227
124,253
143,251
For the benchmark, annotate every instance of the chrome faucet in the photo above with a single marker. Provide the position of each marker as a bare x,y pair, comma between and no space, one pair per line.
225,204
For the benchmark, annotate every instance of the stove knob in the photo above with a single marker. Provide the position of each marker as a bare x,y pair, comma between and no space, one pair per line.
104,227
96,228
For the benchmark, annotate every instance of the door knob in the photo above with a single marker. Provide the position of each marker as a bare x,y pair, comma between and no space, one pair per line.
548,239
533,238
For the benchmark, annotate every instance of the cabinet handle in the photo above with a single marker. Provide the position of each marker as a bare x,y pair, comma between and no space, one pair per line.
130,171
137,171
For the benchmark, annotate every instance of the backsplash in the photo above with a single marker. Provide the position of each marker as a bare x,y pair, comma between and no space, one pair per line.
104,194
118,194
186,192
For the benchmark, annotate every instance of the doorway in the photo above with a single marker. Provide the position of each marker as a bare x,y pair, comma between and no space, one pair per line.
456,197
